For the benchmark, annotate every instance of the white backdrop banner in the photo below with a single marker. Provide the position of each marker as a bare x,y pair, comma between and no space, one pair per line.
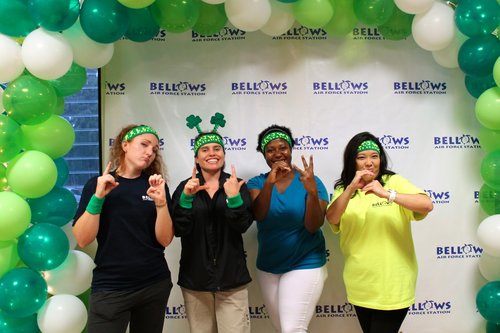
326,90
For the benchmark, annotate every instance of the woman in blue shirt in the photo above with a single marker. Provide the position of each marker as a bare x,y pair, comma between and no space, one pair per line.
289,206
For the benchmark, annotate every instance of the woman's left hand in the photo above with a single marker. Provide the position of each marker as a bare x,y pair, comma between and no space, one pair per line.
156,190
232,185
374,187
307,175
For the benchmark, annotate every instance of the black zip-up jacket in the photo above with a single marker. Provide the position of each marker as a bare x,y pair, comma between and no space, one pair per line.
212,256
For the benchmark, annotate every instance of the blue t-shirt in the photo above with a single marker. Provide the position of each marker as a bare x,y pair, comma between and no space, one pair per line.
284,242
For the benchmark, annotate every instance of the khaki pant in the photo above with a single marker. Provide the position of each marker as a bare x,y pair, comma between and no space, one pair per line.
217,312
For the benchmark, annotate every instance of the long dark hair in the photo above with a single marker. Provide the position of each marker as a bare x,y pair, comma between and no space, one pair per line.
350,153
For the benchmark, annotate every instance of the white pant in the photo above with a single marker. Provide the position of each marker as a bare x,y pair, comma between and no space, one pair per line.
291,298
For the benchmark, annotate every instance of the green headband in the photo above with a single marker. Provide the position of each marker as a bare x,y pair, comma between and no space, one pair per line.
207,138
142,129
273,136
368,145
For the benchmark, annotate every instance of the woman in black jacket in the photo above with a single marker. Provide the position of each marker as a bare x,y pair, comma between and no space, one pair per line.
212,209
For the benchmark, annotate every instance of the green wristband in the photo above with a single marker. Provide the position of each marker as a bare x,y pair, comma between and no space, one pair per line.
94,206
235,202
186,201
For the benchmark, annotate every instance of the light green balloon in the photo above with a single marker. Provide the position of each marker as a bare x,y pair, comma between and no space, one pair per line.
487,108
136,4
176,15
496,72
54,137
32,174
9,257
313,13
489,139
15,215
490,169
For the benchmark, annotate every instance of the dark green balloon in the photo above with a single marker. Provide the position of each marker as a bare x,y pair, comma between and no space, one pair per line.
476,85
488,301
477,55
54,15
23,291
492,327
477,17
104,21
141,27
71,82
56,207
10,324
15,20
212,19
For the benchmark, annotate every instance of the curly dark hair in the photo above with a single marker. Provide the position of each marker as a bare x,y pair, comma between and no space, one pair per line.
270,129
350,153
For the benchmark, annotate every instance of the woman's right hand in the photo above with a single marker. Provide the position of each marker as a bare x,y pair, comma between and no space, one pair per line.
193,185
361,179
105,183
278,171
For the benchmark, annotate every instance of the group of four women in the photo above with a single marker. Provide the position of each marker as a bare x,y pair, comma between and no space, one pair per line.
129,211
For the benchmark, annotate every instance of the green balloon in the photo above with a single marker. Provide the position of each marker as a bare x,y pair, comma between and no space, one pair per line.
487,108
15,19
374,12
8,256
478,55
489,200
10,138
490,169
489,139
54,15
176,15
212,19
71,82
142,27
23,291
57,207
496,71
313,13
9,324
488,301
15,215
343,20
54,137
59,109
104,21
492,327
43,246
3,178
29,100
31,174
398,26
62,171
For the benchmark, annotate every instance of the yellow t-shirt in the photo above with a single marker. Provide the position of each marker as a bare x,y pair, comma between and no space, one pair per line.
380,269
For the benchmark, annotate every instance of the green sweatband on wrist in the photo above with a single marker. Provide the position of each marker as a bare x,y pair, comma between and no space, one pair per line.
235,201
186,201
94,206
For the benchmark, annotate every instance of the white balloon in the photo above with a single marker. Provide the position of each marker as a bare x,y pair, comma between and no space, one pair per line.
68,230
214,2
87,52
435,29
62,314
46,54
281,20
489,266
448,57
11,62
248,15
73,276
414,6
488,234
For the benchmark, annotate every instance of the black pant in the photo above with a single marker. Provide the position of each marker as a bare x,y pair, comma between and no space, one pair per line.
144,309
380,321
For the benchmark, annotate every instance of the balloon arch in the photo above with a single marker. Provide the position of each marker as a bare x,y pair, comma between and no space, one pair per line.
46,47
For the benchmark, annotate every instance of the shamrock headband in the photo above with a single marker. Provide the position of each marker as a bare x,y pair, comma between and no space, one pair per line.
368,145
142,129
211,137
273,136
